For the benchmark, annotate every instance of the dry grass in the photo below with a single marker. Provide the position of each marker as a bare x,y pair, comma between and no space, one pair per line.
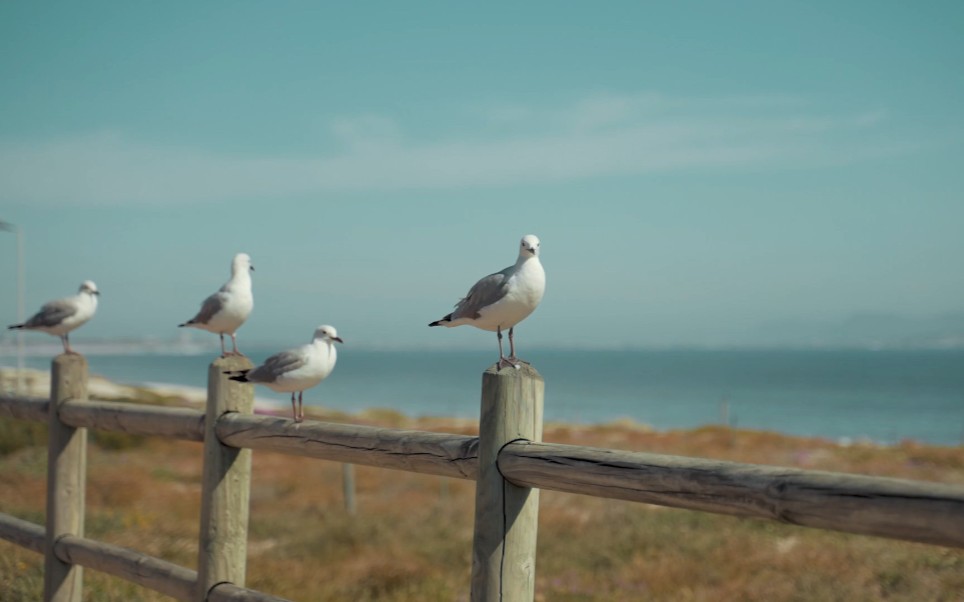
412,537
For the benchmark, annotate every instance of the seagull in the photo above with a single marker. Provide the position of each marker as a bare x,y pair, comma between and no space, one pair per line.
64,315
503,299
297,369
226,310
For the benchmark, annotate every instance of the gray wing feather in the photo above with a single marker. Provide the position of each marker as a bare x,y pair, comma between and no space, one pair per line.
209,308
276,365
483,293
52,314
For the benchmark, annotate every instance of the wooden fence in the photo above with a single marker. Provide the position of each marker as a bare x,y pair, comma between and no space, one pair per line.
508,462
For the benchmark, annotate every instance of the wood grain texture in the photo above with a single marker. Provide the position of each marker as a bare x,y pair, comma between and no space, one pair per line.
135,419
225,484
507,461
895,508
23,533
146,571
143,570
348,488
227,592
66,478
506,514
24,408
415,451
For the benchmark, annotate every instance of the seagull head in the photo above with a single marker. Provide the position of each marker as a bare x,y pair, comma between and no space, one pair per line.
88,286
241,263
529,247
327,333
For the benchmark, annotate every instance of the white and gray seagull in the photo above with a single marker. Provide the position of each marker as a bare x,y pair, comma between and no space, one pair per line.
226,310
297,369
503,299
62,316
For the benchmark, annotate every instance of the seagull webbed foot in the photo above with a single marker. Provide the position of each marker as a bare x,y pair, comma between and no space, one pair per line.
505,362
518,361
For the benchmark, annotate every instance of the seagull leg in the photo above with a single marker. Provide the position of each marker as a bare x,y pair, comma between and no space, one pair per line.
224,352
301,408
503,360
512,357
65,339
294,408
234,343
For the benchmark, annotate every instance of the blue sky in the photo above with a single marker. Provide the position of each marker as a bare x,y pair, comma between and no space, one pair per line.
700,173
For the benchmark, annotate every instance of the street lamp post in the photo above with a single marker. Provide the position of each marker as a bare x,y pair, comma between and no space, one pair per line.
20,299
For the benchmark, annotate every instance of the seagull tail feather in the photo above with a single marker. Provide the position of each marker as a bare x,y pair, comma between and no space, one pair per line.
442,322
16,326
239,375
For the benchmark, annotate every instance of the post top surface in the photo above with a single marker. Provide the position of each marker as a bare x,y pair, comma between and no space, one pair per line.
69,359
232,362
524,370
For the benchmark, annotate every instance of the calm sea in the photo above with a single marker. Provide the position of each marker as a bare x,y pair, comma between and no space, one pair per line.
884,396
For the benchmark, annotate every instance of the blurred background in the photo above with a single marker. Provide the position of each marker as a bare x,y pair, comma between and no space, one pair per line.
711,183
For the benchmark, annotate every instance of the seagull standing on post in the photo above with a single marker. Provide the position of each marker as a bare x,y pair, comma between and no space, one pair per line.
503,299
297,369
64,315
226,310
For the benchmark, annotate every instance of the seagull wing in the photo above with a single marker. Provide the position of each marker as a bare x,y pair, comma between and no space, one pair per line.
277,365
52,314
209,308
483,293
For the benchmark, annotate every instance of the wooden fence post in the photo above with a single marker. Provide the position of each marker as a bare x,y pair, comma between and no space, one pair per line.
225,484
506,516
348,487
66,478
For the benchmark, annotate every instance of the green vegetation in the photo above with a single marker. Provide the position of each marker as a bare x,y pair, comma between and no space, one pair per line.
411,539
18,434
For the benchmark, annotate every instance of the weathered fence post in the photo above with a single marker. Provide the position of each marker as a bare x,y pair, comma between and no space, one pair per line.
348,487
506,516
66,478
225,484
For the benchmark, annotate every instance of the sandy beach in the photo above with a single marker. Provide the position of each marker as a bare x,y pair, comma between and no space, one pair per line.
36,383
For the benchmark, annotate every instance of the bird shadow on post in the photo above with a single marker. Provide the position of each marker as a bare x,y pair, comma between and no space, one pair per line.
506,515
225,483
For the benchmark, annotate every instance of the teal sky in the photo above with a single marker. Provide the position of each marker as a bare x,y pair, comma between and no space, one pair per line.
700,173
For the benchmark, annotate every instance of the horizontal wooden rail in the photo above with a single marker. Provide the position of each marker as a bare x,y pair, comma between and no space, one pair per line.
146,571
116,416
135,419
439,454
228,592
900,509
425,452
24,408
23,533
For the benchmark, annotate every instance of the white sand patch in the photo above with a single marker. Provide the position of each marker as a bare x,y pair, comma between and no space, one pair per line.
37,384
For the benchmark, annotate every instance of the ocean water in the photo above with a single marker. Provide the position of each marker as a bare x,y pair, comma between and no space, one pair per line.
885,396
